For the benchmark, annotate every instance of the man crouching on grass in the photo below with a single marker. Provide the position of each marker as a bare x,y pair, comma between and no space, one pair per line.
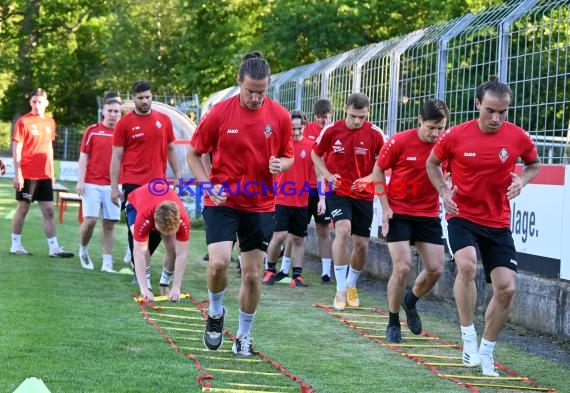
146,212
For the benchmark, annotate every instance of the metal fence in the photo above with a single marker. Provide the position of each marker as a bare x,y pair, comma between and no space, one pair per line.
526,43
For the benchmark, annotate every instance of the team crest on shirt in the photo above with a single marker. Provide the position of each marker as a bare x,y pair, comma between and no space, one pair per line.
503,155
303,153
267,130
158,124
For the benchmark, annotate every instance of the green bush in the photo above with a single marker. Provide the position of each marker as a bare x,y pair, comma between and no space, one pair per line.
5,129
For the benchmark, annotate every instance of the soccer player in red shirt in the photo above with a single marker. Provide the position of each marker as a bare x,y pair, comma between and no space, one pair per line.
163,213
291,201
410,214
482,154
143,141
94,184
32,154
249,138
345,154
322,112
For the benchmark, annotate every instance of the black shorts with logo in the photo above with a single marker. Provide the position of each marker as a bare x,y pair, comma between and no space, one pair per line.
254,229
358,211
36,190
496,245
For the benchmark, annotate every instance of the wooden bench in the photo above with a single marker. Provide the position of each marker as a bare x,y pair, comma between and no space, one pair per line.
58,189
64,198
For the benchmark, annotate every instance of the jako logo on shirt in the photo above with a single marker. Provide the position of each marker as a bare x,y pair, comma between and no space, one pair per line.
469,154
232,131
410,158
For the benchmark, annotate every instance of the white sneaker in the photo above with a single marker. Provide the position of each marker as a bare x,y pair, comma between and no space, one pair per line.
19,250
488,365
471,356
86,262
108,267
60,253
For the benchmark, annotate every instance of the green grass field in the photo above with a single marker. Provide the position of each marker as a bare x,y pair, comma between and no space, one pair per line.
81,331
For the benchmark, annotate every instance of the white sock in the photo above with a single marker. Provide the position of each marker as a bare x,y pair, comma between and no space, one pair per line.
82,250
285,264
16,240
340,276
264,261
352,278
107,258
245,324
468,333
487,347
165,277
216,306
52,243
326,266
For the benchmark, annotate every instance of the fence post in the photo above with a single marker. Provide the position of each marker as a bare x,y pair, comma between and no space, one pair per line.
395,78
65,140
503,44
453,32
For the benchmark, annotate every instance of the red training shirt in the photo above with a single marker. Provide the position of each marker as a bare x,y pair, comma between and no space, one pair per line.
293,186
241,142
145,140
481,165
312,132
36,135
145,204
410,191
350,153
97,143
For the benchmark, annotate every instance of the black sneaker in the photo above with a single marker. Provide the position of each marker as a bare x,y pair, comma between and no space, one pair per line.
413,319
394,334
206,257
243,347
326,280
214,335
279,276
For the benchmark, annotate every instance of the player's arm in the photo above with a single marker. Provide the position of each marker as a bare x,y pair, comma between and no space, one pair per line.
17,160
381,189
181,249
173,159
438,180
321,167
115,169
81,168
196,164
530,170
280,164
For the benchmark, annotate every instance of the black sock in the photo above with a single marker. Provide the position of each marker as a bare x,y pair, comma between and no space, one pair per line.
410,299
394,319
272,267
297,272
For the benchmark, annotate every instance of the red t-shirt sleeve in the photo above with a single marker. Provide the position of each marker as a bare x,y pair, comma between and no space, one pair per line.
442,147
204,137
322,144
529,154
388,154
119,134
286,146
183,234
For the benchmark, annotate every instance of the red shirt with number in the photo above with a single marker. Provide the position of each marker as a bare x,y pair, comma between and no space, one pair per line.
145,140
351,154
145,204
409,191
97,143
241,142
293,186
481,164
36,134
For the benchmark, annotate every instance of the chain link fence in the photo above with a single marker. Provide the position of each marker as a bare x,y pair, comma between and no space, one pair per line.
525,43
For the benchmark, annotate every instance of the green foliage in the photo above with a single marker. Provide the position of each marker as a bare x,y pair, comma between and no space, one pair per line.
5,134
77,49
